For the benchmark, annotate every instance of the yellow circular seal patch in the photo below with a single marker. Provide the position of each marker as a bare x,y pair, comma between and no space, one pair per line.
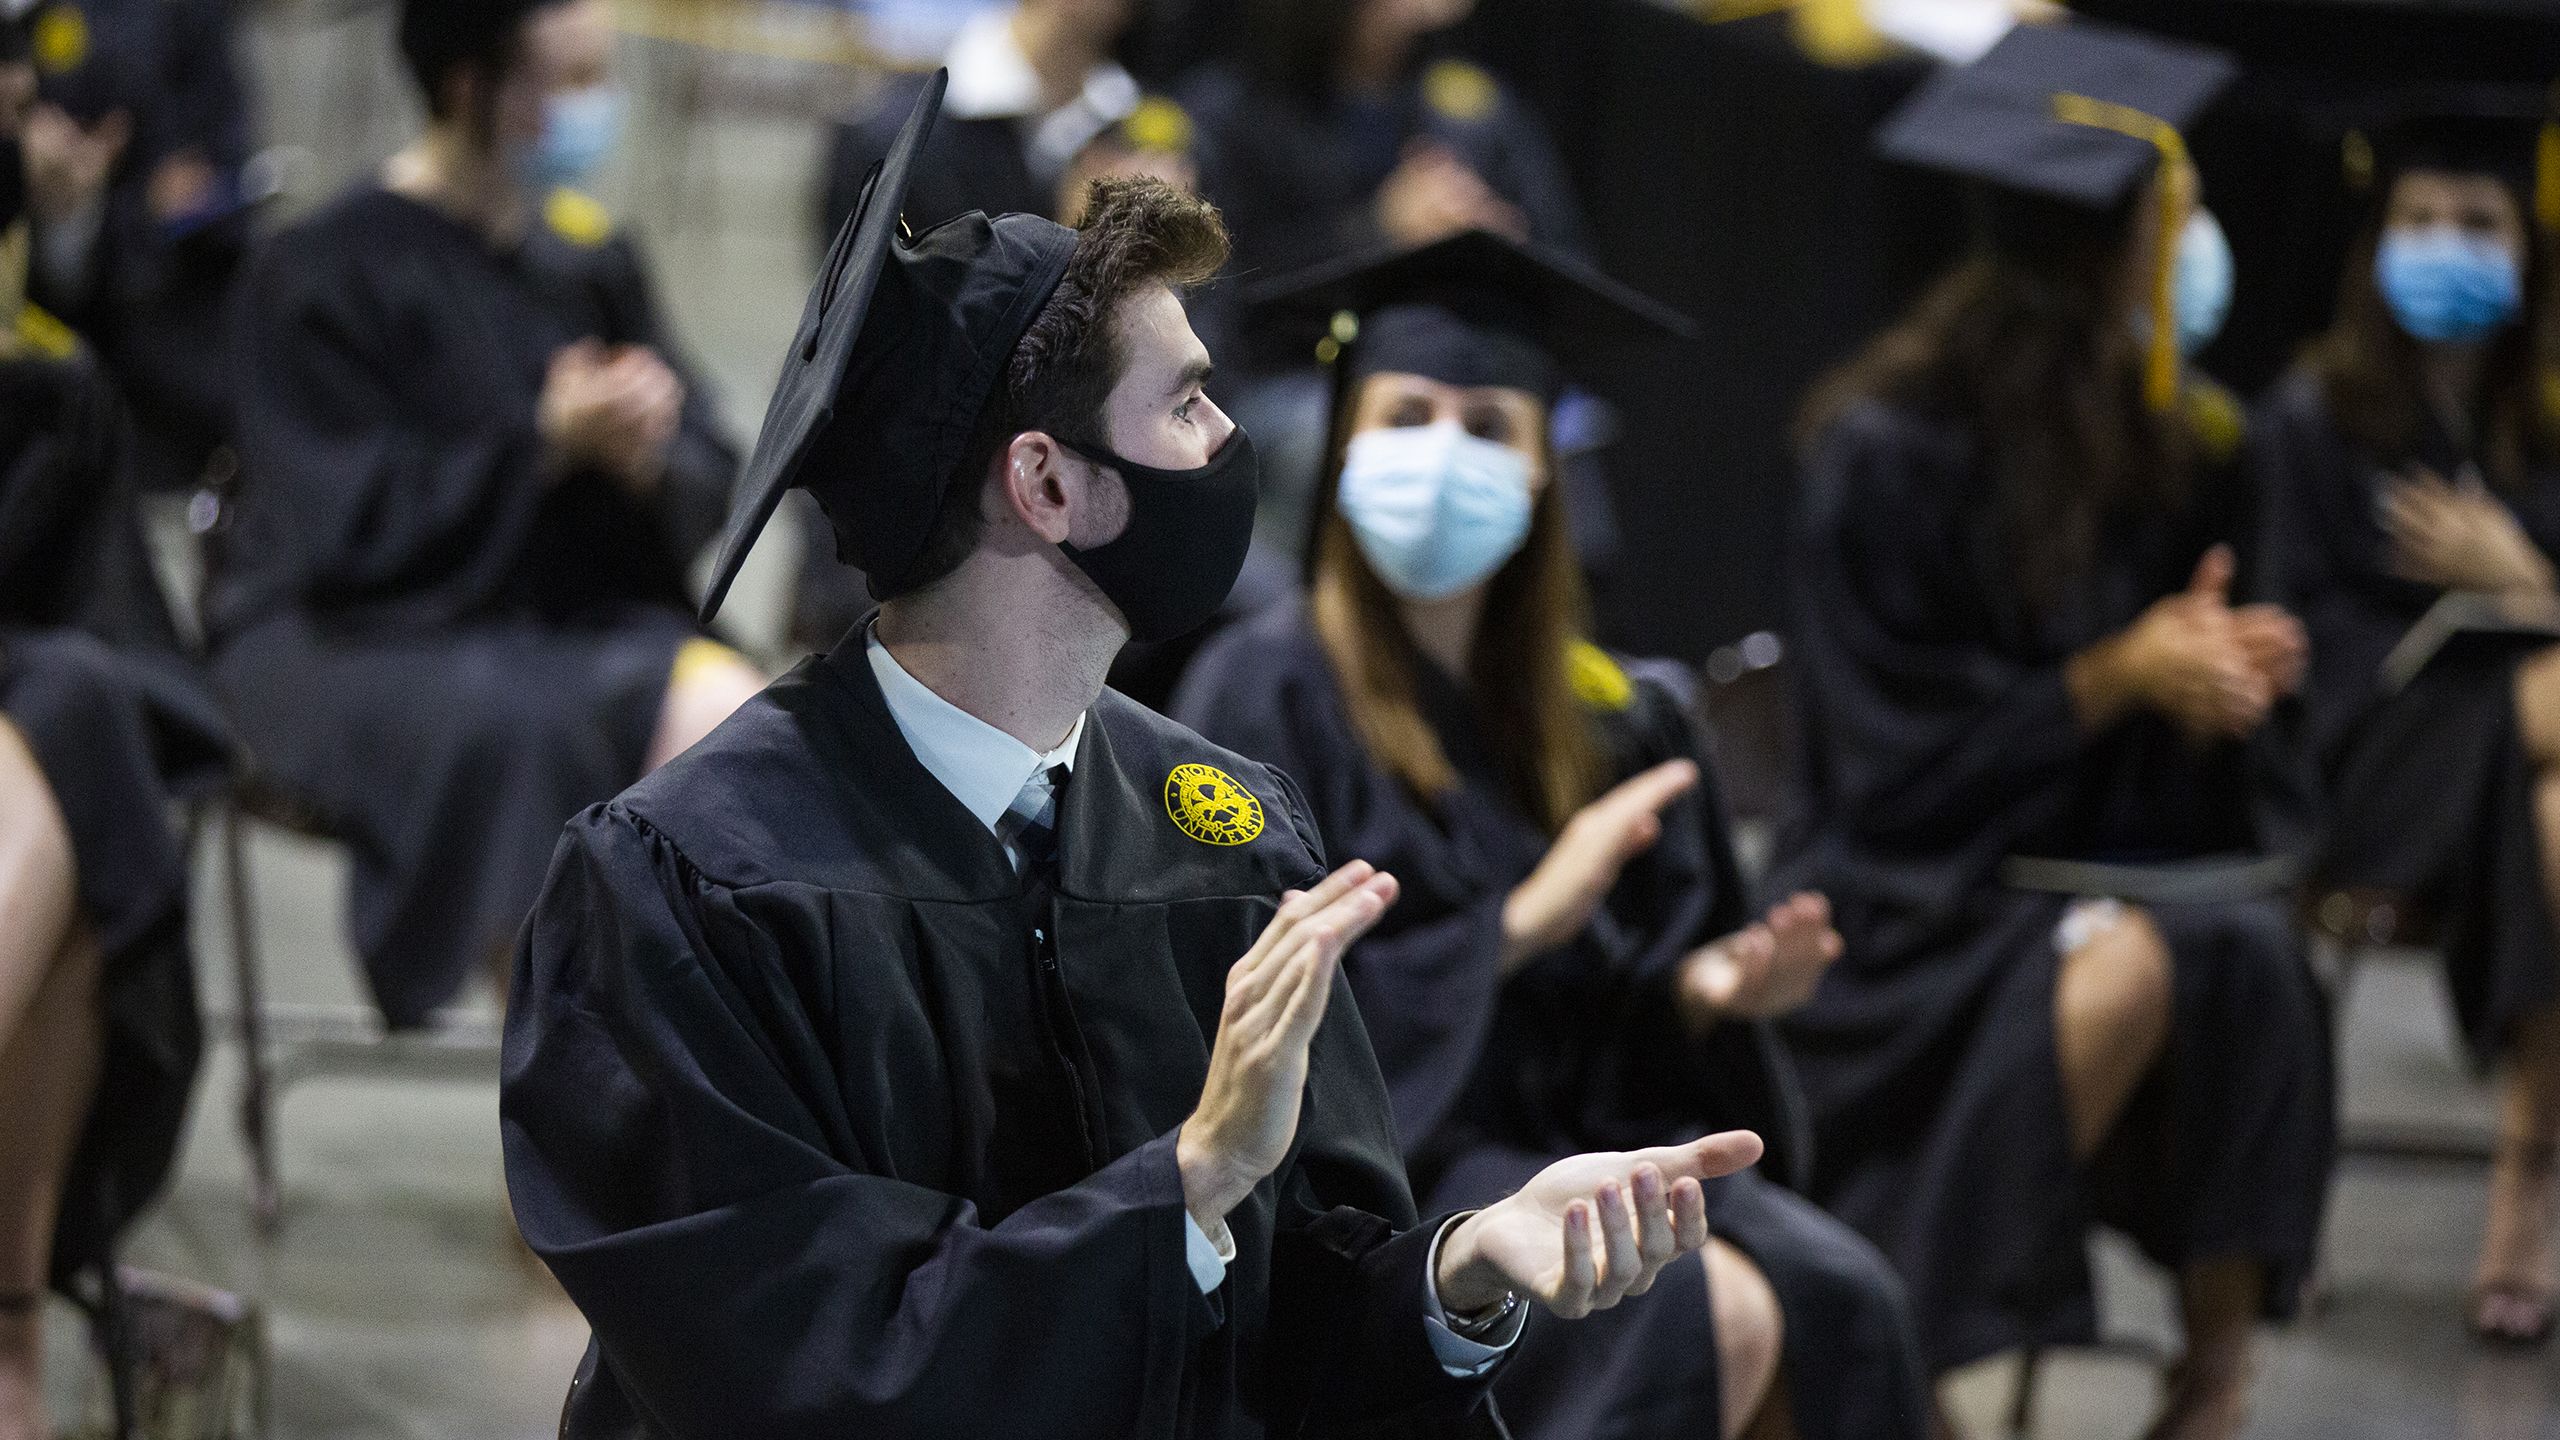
1208,805
60,40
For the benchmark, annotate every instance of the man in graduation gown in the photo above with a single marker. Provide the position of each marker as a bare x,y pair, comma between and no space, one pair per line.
949,1046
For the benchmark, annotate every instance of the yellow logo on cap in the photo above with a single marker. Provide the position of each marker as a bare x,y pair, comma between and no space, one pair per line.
60,40
1459,91
1208,805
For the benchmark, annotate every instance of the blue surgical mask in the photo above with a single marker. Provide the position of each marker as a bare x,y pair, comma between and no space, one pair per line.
2200,281
579,128
2445,285
1434,508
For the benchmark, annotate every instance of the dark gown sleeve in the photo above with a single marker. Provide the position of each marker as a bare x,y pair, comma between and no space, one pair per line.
702,463
1936,740
667,1157
348,499
1426,992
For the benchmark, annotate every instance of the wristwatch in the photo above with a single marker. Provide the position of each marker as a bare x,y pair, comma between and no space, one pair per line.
1484,1322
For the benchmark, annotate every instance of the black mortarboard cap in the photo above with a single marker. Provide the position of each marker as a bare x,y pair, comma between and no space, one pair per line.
2511,131
1474,309
2073,110
901,343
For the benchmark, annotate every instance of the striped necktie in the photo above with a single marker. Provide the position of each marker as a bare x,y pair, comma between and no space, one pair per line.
1029,826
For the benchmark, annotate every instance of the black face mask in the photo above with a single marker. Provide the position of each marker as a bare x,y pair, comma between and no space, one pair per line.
1188,530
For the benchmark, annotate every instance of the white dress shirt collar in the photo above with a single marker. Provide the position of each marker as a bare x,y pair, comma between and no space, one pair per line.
982,767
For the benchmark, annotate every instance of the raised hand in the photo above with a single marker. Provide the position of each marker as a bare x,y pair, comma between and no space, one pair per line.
1559,897
1248,1112
1432,195
1589,1230
2276,645
1763,971
2182,658
615,409
2459,537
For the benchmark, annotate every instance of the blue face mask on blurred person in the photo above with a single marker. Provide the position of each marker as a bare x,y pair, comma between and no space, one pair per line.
1434,508
2444,285
2200,281
579,128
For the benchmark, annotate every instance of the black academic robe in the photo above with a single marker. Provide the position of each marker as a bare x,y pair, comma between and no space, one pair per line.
1297,177
1937,742
2428,787
153,296
119,735
441,650
1493,1079
832,1125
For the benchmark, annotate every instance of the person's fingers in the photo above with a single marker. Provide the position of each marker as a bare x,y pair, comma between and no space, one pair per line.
1269,1010
1294,907
1706,1157
1306,1008
1316,944
2213,574
1655,1244
1833,946
1689,1215
1580,1271
1623,1261
1648,791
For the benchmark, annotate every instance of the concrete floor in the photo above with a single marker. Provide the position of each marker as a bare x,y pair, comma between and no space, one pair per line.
398,1306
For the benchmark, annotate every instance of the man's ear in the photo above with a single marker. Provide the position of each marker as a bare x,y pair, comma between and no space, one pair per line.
1034,477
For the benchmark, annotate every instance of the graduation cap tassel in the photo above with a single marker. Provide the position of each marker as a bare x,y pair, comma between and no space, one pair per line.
2176,183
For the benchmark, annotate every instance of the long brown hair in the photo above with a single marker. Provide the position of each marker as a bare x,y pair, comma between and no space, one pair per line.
1535,610
2025,343
2367,365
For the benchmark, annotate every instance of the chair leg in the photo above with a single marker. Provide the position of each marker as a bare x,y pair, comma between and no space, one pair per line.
2022,1403
257,1090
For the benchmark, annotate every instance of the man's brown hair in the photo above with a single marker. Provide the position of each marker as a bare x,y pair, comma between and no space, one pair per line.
1137,232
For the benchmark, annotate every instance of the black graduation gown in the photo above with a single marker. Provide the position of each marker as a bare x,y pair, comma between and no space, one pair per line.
1937,741
831,1125
2429,791
1297,178
1582,1050
441,653
154,297
118,735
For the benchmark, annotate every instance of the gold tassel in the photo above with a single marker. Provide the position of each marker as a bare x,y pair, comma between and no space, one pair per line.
2176,187
2546,167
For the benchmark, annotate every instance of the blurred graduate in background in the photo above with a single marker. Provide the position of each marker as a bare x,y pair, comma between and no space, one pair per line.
2045,754
453,607
2412,460
98,1024
139,193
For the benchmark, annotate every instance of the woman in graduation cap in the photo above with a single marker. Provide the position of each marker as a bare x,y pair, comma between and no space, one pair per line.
2415,453
1574,959
451,607
2043,756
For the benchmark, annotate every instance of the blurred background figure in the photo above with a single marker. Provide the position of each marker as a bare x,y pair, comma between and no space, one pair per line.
452,609
1349,127
1573,908
2413,463
1037,111
98,1025
139,188
2025,684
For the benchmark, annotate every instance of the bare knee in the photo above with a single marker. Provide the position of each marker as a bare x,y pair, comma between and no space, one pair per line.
1750,1332
2538,710
2120,981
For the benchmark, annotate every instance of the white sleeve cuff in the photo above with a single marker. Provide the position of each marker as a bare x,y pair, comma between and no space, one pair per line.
1209,1255
1460,1356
